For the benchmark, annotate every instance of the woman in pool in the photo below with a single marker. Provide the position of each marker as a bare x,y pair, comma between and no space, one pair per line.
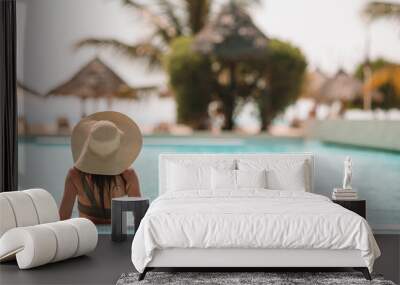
104,146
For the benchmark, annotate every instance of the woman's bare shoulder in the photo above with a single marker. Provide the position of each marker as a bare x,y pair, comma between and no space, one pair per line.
132,183
72,181
129,173
73,173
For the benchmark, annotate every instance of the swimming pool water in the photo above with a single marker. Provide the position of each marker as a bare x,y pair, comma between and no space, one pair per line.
44,162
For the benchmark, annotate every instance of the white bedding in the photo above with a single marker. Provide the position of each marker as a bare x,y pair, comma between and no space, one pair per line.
251,218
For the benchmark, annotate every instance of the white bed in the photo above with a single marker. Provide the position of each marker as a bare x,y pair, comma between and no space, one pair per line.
248,227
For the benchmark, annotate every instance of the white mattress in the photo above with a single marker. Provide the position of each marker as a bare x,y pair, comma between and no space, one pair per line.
252,219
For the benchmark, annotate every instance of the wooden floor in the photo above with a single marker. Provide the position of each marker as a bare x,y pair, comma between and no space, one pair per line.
110,260
103,266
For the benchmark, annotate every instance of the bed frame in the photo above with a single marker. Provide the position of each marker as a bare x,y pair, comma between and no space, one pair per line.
246,259
249,259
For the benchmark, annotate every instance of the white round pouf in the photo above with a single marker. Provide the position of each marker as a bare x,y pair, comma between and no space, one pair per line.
67,240
33,246
31,233
40,244
7,219
26,208
45,206
23,208
87,234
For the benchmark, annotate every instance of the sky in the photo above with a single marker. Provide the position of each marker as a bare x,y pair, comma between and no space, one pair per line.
331,33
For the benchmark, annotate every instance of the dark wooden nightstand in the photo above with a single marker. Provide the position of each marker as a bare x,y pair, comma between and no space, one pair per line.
137,205
357,206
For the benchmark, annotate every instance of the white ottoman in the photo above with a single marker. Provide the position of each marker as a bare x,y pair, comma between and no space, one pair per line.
31,232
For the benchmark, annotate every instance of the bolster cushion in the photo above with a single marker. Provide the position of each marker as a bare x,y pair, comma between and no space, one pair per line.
7,219
26,208
40,244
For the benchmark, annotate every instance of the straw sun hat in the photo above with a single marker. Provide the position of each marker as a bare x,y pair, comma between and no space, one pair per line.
105,143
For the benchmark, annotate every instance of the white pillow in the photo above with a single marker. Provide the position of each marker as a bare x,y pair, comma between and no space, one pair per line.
223,179
251,178
193,174
282,174
292,178
227,179
181,178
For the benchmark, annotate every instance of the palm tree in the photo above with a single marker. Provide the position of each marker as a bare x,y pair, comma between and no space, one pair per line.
386,76
382,10
169,20
374,11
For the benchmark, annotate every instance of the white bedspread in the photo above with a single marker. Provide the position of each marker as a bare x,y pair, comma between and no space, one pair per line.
250,219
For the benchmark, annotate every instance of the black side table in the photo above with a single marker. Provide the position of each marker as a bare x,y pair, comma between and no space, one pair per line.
357,206
119,206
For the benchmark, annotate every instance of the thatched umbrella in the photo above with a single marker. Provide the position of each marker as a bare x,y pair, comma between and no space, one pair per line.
341,87
314,81
95,80
22,89
231,37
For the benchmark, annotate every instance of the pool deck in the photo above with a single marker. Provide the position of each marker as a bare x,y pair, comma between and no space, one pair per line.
377,134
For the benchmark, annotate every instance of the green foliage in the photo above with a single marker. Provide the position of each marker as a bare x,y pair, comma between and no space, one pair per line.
390,98
191,79
273,81
375,65
276,81
285,71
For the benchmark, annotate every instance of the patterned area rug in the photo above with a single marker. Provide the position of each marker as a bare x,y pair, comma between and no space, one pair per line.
243,278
